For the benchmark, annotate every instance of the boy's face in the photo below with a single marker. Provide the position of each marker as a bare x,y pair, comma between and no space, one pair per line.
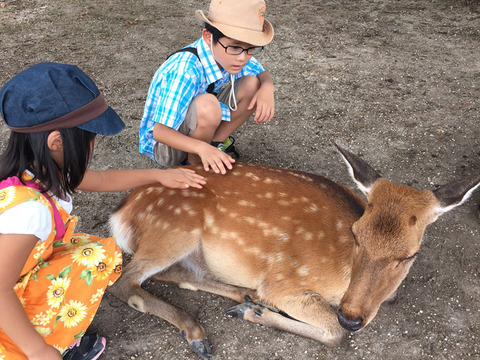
231,63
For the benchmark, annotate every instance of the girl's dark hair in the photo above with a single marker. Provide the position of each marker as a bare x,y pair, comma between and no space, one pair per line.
31,152
217,34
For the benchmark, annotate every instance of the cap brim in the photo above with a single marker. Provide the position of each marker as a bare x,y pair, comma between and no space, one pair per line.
257,38
109,123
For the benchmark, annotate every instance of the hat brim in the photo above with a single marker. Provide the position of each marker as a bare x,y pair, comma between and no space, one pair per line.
253,37
109,123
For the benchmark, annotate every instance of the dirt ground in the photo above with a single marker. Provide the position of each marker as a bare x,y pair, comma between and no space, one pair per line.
396,81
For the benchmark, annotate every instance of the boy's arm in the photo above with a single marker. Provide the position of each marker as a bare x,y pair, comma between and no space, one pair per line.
210,155
14,251
263,99
121,180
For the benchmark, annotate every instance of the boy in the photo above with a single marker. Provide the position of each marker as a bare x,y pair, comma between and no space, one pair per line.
184,118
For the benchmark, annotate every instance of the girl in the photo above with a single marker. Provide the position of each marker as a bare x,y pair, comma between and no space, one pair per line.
52,279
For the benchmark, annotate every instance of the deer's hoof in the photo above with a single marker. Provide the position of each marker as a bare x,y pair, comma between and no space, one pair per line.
201,347
240,310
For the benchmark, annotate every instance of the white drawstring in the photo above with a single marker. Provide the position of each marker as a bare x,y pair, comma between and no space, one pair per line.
232,95
232,80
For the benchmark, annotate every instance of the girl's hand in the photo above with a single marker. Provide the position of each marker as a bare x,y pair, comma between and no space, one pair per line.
181,178
215,159
47,353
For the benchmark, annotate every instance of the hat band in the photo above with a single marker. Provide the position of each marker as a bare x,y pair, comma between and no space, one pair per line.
87,112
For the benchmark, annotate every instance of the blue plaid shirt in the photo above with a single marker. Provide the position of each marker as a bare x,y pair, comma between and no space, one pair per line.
176,83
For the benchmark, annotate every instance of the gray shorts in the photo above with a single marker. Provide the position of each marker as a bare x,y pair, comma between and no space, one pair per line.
168,156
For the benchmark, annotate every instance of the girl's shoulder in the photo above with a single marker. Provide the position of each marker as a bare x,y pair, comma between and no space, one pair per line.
13,195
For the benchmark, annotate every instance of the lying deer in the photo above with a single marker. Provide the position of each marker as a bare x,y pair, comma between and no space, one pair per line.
272,238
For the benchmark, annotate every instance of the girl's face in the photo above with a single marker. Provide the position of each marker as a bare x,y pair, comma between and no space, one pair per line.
231,63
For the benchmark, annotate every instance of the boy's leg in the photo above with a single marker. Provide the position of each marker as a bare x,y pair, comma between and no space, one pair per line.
208,114
247,88
202,119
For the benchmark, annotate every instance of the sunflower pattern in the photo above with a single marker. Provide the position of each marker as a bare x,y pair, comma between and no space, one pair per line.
63,281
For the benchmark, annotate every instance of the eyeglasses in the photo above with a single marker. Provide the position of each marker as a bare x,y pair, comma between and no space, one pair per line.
237,50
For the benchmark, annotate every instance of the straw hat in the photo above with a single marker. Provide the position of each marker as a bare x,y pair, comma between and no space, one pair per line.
241,20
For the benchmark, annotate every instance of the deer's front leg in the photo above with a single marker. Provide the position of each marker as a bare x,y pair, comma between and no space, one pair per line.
308,315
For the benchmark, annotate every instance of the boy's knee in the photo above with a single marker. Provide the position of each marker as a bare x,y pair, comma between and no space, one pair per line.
249,86
209,111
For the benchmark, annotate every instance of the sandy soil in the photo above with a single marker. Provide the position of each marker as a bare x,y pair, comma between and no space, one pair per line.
397,82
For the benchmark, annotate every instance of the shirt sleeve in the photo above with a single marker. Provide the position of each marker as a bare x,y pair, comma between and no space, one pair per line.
28,218
253,67
175,94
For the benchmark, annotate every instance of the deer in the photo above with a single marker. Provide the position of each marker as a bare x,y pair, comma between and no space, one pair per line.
296,251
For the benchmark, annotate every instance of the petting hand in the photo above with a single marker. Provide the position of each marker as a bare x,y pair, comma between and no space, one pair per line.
181,178
265,103
215,159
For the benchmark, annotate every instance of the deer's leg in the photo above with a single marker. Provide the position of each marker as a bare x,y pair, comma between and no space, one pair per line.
186,279
128,288
309,315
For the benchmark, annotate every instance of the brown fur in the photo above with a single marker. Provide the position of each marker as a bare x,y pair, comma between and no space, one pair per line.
282,237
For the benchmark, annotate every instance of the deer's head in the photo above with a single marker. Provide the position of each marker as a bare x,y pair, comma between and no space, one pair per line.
388,236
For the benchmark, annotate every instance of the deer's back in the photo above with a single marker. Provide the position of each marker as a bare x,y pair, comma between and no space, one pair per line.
254,225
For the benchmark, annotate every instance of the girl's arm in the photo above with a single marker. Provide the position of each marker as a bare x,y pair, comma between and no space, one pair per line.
121,180
14,251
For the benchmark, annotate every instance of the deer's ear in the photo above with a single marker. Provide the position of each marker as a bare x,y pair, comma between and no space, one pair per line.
362,173
455,193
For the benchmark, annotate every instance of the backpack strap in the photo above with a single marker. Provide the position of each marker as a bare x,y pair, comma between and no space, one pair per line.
211,87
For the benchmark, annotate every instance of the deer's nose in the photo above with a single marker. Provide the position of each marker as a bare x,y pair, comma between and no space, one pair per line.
349,324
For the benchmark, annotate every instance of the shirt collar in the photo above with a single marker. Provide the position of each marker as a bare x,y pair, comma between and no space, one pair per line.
212,70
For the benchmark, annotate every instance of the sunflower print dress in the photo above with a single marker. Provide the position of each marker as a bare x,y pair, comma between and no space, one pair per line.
63,280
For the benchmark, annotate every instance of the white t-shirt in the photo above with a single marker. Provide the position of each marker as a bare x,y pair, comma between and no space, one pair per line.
31,218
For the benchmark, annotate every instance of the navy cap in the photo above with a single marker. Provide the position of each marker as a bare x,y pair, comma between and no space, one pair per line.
52,96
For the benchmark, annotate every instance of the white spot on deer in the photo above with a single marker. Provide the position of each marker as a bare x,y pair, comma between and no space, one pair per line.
339,225
160,201
321,234
283,237
303,270
282,194
284,202
177,211
253,176
250,220
235,173
345,239
139,196
267,180
209,220
313,208
279,257
245,203
149,190
159,189
308,235
268,195
149,208
253,250
171,192
279,277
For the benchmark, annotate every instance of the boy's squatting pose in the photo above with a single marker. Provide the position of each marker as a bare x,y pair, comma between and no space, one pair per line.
182,117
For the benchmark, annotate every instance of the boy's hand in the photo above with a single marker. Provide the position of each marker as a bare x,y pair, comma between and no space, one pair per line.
215,159
265,103
181,178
